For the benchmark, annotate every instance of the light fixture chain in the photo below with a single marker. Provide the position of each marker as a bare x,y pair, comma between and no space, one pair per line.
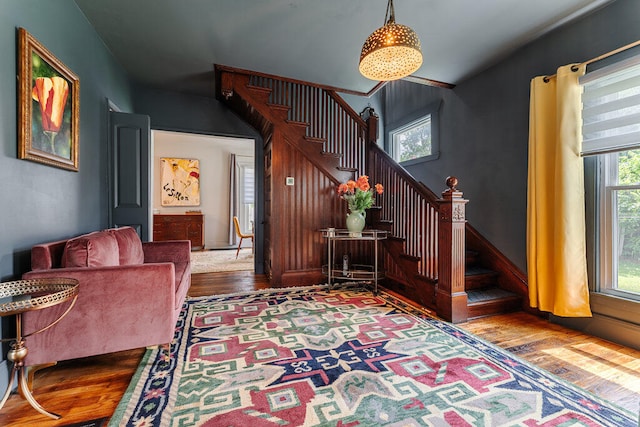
389,17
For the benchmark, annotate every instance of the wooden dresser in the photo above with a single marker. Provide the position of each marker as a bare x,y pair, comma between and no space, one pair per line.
179,227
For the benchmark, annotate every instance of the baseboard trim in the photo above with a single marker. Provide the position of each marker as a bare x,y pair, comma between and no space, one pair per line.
605,327
303,277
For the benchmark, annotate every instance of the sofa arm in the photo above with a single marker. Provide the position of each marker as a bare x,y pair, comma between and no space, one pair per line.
176,251
118,308
123,282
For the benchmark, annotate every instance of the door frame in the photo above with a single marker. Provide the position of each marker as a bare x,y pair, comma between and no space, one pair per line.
258,188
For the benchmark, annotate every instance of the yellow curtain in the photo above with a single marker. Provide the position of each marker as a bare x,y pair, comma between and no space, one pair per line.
556,247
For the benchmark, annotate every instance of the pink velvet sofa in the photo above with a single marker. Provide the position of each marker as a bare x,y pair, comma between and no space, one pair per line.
130,294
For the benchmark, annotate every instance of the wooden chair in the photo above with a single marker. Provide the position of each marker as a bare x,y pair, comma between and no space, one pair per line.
241,235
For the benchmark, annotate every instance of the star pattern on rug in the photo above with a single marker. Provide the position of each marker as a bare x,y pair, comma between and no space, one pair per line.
323,367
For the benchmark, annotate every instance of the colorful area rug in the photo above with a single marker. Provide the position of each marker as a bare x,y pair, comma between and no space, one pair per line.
310,357
211,261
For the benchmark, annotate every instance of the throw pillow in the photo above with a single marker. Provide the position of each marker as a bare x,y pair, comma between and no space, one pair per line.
129,245
97,249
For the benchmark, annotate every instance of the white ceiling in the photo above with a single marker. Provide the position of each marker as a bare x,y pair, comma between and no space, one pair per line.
173,44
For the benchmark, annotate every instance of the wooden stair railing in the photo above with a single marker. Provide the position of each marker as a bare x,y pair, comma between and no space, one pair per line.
426,257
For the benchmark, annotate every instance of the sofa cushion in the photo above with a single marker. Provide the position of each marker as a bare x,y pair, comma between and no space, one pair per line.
46,256
129,245
97,249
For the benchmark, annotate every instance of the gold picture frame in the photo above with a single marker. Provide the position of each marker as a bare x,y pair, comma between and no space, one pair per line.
49,106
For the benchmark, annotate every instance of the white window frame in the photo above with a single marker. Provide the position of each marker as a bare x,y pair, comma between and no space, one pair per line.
608,227
396,133
418,118
246,211
610,117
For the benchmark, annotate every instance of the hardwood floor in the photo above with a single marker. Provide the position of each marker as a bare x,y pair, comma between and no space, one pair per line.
91,388
608,370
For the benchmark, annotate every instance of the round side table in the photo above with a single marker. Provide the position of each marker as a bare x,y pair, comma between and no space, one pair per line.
30,295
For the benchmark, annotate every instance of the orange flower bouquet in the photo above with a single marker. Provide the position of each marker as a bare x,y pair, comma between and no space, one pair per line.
359,194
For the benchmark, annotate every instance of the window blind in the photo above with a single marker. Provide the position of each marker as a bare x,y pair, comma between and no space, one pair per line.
249,185
611,108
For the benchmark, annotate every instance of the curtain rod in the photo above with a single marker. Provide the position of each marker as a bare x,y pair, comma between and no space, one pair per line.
575,68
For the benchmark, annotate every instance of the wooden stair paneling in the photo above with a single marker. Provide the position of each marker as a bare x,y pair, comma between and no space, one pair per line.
423,294
295,133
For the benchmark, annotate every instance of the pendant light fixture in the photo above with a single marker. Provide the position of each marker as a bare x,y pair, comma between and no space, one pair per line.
391,52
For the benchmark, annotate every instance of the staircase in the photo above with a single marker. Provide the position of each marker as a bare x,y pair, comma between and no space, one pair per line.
484,295
425,258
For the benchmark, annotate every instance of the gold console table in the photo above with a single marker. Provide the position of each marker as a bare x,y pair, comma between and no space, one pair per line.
29,295
355,272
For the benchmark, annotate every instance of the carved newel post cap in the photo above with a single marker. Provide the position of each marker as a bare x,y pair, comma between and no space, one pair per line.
452,183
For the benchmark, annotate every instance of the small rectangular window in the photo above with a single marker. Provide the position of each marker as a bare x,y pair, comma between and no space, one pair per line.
412,141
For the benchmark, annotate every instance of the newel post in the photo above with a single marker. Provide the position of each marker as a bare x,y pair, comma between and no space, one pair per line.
372,125
451,298
371,135
226,84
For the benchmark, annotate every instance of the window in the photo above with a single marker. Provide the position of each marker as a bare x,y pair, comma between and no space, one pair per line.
247,190
611,131
620,223
414,140
242,186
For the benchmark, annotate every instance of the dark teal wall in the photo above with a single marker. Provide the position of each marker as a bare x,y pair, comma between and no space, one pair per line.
42,203
189,113
484,121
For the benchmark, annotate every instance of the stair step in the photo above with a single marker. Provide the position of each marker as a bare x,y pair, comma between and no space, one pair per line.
302,125
353,170
260,93
334,155
491,301
471,257
478,278
478,296
384,225
411,258
315,140
279,107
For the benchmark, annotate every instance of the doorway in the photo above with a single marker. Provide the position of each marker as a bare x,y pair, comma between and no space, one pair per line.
215,180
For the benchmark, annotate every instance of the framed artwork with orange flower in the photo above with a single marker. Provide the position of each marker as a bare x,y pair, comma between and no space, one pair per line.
49,106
